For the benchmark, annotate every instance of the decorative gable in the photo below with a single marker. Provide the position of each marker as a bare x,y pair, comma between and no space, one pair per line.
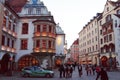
109,6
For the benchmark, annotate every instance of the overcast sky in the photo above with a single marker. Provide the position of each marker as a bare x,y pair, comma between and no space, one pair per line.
72,15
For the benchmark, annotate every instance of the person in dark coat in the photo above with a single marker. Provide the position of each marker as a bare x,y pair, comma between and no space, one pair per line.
80,69
87,69
64,71
103,74
71,70
61,69
93,69
98,69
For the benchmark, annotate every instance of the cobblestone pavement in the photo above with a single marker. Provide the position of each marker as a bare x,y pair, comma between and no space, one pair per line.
112,76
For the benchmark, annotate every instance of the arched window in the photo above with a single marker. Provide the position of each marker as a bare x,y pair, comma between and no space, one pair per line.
25,28
118,11
27,60
108,18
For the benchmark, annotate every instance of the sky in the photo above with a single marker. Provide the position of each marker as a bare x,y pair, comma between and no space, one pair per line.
73,15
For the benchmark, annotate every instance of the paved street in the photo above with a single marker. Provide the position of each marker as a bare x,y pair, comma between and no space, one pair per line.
112,76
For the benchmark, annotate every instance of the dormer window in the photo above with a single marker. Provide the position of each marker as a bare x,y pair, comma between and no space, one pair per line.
107,8
108,18
38,10
30,10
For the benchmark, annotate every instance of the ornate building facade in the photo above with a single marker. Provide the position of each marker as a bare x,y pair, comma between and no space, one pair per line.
8,37
74,51
88,42
27,35
106,30
109,35
60,42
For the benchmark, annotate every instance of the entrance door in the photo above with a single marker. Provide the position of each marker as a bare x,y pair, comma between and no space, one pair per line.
104,61
5,63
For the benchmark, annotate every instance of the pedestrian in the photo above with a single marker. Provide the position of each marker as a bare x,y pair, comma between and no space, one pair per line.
74,65
93,69
61,69
71,70
98,69
87,69
64,71
80,70
103,74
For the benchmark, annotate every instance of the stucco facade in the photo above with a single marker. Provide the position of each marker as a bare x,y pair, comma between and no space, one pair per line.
1,21
88,42
7,37
105,50
28,33
109,35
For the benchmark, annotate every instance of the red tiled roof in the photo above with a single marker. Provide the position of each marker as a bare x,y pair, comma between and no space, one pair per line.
17,4
76,41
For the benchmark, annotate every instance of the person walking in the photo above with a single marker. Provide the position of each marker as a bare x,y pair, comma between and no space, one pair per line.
87,69
71,70
80,70
98,69
93,69
61,69
103,74
64,71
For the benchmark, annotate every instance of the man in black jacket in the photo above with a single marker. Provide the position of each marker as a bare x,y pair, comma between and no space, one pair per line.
103,74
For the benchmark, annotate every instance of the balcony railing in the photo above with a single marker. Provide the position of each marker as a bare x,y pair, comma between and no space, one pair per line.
36,34
9,31
49,50
6,48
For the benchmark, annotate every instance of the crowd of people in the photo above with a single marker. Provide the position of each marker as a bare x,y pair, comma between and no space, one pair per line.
66,71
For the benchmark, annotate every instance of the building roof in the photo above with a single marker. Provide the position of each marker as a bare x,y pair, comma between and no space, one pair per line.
59,30
45,18
117,15
76,42
17,4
